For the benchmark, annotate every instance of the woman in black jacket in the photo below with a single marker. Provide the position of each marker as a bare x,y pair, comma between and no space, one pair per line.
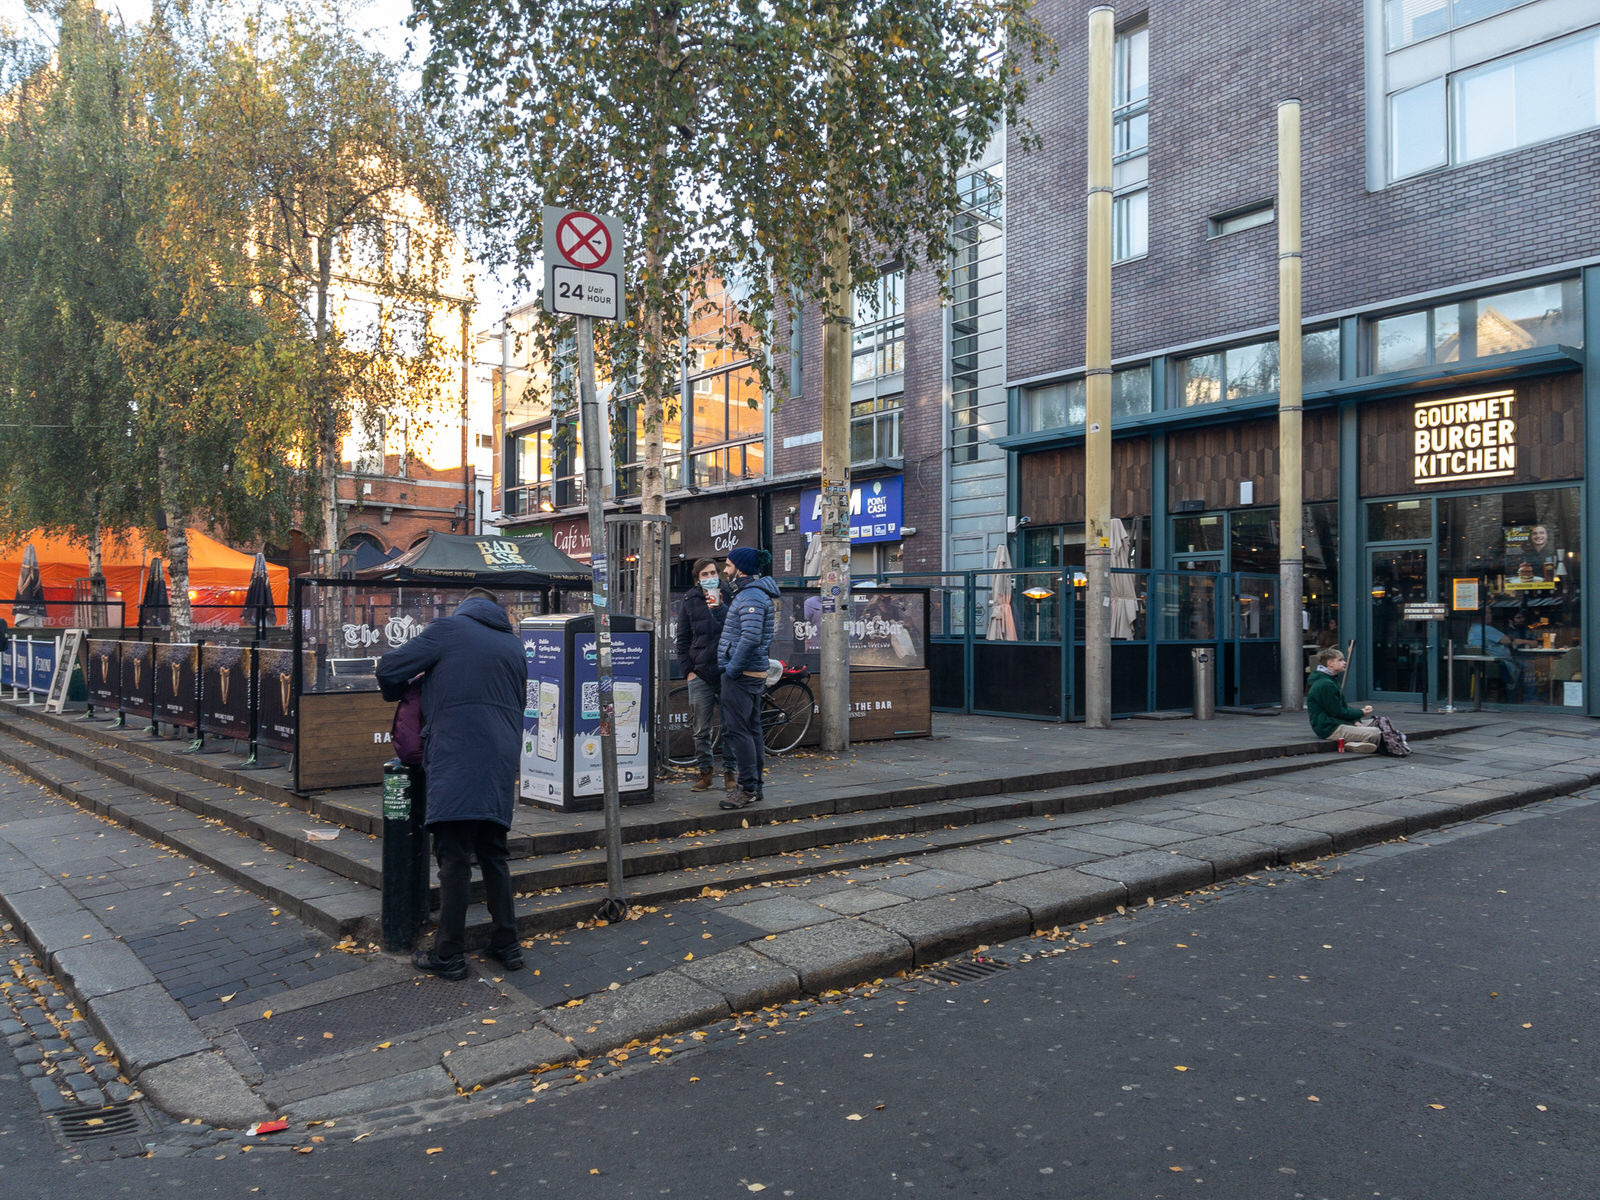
701,613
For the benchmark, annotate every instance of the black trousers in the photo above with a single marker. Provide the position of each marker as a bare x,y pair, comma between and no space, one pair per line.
456,844
741,726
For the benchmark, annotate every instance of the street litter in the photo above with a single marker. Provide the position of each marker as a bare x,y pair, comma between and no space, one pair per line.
321,835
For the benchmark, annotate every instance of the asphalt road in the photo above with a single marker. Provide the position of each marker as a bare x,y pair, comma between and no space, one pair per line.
1416,1022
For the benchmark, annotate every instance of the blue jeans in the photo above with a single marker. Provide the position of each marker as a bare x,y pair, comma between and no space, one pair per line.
741,726
702,709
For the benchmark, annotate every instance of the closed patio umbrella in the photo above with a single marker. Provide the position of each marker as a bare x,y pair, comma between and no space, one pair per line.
29,607
1002,625
1124,592
155,607
258,606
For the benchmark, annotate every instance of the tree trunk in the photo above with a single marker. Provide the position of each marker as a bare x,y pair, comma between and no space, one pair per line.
837,315
177,554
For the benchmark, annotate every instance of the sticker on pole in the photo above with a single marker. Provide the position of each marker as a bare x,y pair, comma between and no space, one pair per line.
584,257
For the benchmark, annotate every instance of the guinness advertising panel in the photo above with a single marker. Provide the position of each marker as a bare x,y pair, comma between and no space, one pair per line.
277,710
138,679
177,664
225,691
105,673
711,528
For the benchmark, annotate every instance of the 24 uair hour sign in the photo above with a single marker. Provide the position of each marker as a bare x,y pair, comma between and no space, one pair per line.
583,264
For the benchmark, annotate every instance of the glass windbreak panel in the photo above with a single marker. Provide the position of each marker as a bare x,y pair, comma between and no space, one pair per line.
1417,130
1400,342
1200,379
1510,564
1188,607
1254,611
1038,604
1319,358
1399,660
1537,316
1192,535
1400,521
1251,370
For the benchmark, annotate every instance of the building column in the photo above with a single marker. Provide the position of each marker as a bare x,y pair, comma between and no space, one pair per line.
1352,541
1590,541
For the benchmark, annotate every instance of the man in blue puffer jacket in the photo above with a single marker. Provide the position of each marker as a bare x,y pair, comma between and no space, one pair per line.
742,656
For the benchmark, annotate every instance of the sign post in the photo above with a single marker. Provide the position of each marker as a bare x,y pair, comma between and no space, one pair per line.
583,266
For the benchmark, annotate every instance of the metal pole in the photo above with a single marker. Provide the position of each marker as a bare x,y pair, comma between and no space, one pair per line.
614,907
1097,383
1450,676
1291,552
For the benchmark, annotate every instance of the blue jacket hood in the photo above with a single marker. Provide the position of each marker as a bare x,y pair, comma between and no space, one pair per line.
765,582
485,613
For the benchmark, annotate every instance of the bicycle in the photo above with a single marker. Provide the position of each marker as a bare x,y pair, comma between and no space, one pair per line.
786,709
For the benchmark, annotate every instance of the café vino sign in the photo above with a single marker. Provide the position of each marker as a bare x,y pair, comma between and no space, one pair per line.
1464,437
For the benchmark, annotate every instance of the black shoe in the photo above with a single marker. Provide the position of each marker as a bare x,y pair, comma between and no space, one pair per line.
445,968
510,958
741,799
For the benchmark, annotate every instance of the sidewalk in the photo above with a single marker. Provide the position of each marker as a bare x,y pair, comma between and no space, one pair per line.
220,1006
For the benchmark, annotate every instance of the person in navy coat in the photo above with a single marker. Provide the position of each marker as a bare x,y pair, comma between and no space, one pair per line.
474,683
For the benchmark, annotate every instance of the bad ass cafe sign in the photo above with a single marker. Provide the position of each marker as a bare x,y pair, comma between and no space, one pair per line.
1463,438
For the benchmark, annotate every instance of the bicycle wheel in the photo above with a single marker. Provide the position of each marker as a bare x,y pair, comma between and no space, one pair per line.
786,715
680,729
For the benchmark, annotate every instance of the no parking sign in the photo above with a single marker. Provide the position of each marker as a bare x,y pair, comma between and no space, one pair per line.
583,264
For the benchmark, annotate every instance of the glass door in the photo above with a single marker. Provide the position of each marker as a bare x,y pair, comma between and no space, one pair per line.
1398,655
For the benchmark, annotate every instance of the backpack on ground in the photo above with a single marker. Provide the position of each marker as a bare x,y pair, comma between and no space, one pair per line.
1390,740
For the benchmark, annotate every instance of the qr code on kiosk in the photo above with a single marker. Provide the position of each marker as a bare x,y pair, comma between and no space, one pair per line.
591,700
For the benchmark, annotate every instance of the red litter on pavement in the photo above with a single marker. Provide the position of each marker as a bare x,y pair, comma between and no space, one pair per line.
261,1127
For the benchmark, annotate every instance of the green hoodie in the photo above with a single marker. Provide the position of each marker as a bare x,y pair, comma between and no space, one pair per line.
1325,704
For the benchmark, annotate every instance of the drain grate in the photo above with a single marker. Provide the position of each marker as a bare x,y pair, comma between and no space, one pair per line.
969,971
99,1133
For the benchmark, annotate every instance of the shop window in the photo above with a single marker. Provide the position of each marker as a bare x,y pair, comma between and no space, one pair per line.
1510,563
1400,521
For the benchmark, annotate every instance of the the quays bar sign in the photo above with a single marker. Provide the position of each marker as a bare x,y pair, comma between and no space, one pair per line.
712,527
1463,438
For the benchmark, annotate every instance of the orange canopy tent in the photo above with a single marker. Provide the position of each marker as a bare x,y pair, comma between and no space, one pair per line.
215,572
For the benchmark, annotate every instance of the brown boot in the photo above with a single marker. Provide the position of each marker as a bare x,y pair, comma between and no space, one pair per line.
702,782
730,779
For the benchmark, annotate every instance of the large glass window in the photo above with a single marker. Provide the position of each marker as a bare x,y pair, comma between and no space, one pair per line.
875,428
1130,142
1534,96
1408,21
1530,97
1058,405
1252,369
1547,315
879,344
